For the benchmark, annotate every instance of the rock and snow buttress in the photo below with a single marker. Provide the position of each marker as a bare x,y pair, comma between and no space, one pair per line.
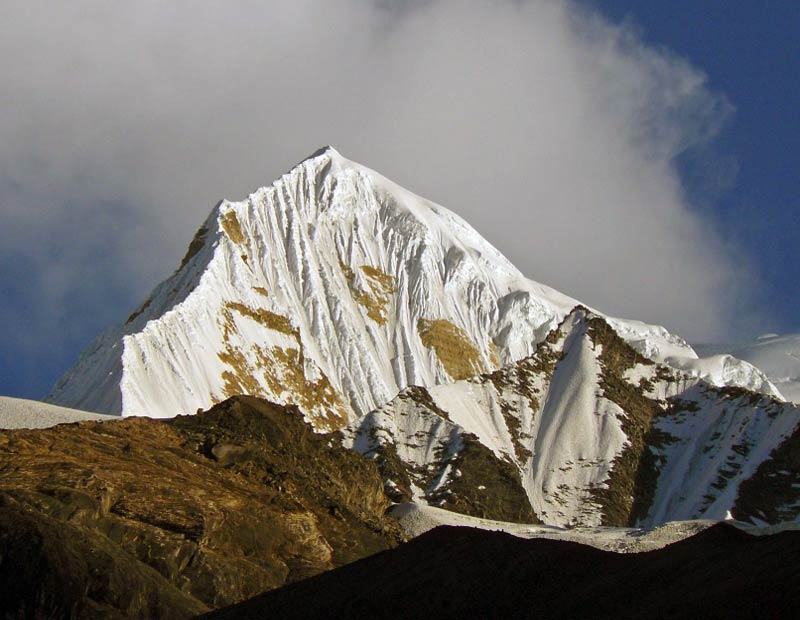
591,433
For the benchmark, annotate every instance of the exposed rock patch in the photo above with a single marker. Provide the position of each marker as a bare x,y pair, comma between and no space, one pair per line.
459,356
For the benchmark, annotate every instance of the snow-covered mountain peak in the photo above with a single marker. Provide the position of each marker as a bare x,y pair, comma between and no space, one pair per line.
333,289
326,150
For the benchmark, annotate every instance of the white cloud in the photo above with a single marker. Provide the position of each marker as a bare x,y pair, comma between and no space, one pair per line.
552,131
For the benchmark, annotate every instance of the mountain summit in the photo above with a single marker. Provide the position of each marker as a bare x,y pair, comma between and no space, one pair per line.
333,289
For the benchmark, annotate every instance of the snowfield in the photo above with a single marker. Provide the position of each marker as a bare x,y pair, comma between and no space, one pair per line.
21,413
416,519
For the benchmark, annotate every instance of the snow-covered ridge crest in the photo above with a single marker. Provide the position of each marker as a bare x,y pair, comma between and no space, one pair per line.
333,289
776,355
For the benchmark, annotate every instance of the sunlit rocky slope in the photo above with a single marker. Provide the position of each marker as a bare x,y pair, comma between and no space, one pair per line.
141,518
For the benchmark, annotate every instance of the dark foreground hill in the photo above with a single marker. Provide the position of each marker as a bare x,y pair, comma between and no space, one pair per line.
144,518
465,573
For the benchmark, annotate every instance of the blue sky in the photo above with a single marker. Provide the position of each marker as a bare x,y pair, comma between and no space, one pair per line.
750,51
123,125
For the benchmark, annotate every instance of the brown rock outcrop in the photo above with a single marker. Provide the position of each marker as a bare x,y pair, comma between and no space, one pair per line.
147,518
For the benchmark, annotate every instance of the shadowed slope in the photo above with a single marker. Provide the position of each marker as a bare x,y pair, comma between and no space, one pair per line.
466,573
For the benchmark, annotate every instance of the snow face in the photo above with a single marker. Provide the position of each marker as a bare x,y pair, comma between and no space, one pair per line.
22,413
716,441
557,478
416,519
331,289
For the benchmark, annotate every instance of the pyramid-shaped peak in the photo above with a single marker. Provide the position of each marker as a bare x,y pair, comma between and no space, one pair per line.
326,150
